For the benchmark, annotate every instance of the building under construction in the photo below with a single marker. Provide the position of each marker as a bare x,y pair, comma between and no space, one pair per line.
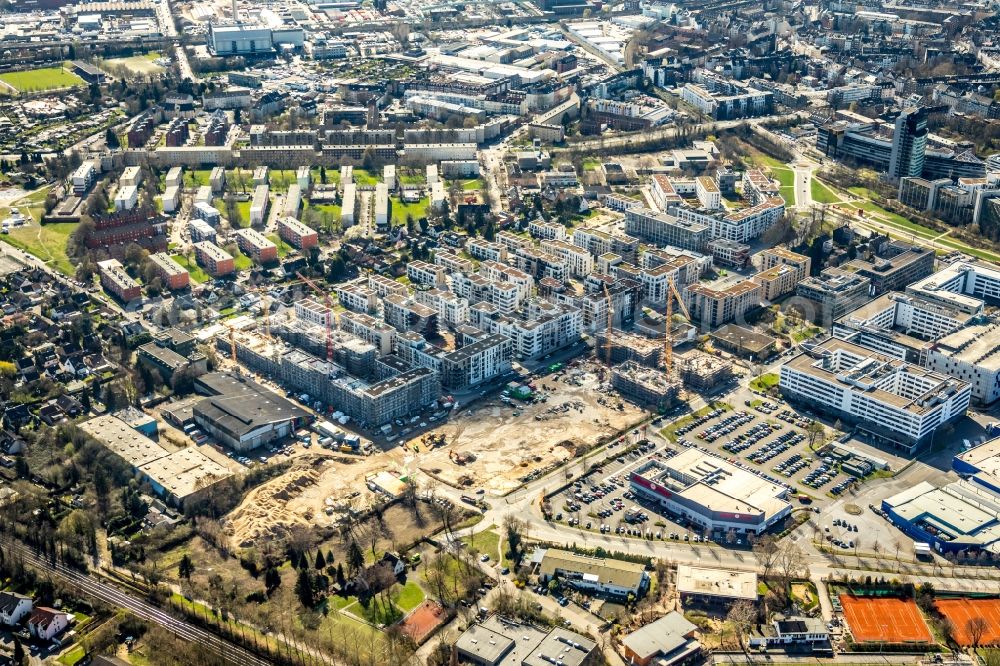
645,386
703,372
629,347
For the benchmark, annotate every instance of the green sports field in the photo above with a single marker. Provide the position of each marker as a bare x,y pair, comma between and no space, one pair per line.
46,78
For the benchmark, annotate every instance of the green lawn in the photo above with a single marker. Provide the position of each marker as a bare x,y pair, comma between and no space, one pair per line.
197,177
784,176
760,159
242,262
139,64
863,192
472,185
898,221
362,177
283,247
764,382
408,176
193,269
242,206
487,543
45,78
788,194
591,164
806,333
410,596
976,252
280,179
400,210
332,176
821,193
47,242
72,656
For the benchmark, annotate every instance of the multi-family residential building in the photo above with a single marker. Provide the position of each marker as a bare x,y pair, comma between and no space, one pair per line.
314,312
471,364
484,250
726,252
599,242
213,259
259,205
170,272
453,263
201,230
713,307
452,309
781,271
759,187
256,245
117,282
358,297
407,314
578,262
543,230
476,288
384,286
423,273
708,192
540,328
664,229
893,403
492,270
83,178
373,331
297,234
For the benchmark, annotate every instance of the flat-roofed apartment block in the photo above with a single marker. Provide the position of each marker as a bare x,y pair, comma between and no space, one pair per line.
712,493
540,328
312,311
902,325
826,297
593,574
383,286
498,272
475,288
297,234
512,241
977,280
213,259
180,476
708,193
539,263
707,585
349,204
256,245
217,180
644,385
373,331
259,205
714,307
625,297
690,266
578,262
758,186
599,242
381,205
453,263
664,229
484,250
397,396
169,271
971,354
619,202
423,273
201,230
358,297
543,230
781,270
452,309
406,314
471,364
293,201
117,282
170,352
729,253
664,193
893,403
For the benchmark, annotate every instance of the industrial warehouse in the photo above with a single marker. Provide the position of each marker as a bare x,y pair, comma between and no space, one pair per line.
961,516
711,493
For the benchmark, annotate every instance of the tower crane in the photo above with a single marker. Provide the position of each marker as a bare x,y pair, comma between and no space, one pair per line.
610,313
329,318
668,338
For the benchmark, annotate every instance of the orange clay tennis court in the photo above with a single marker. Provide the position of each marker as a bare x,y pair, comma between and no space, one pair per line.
423,620
884,620
960,611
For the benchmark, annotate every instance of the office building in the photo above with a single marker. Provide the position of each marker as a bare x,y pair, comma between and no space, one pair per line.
893,403
602,575
832,294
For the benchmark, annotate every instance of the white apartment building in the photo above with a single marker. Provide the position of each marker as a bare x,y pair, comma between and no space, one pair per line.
312,311
484,250
423,273
357,297
373,331
452,309
475,288
540,328
349,203
259,204
126,198
498,272
708,193
453,263
381,205
543,230
579,262
893,403
383,286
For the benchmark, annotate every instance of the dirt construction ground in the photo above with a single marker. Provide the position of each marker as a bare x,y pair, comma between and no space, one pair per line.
506,448
316,491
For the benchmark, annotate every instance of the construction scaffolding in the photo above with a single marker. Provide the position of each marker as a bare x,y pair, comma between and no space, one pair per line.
627,346
645,386
703,372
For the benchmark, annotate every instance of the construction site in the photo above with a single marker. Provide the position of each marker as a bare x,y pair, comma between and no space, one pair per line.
703,372
497,444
